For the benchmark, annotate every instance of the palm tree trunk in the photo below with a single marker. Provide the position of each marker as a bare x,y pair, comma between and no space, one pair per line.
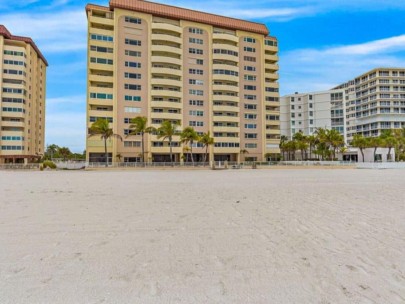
105,150
171,150
362,154
389,153
375,151
191,152
143,148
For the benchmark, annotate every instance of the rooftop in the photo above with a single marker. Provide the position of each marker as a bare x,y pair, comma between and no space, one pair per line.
177,13
6,34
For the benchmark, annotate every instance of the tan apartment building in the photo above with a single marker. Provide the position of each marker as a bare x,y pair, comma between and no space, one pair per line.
375,101
214,73
22,95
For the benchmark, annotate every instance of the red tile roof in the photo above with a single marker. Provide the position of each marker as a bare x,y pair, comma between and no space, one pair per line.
6,34
173,12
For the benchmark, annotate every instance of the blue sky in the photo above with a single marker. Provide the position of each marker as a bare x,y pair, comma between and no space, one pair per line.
322,44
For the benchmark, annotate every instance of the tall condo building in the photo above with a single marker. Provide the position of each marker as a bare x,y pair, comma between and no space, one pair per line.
375,101
213,73
22,95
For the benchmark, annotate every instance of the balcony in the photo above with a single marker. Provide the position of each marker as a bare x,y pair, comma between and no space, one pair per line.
166,104
226,129
167,27
224,36
225,98
15,124
165,81
166,49
166,59
226,108
225,77
271,66
101,20
226,57
233,68
271,57
167,71
163,37
166,116
166,93
229,88
225,118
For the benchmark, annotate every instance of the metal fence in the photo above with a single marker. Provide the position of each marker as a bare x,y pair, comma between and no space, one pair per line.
19,166
386,165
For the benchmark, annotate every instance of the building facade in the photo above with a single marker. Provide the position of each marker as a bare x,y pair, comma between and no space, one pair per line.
22,95
213,73
375,101
305,112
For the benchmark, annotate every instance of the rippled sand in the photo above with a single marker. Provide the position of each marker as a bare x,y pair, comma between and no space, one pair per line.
237,236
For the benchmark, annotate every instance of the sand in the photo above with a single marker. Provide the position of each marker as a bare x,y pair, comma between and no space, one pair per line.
237,236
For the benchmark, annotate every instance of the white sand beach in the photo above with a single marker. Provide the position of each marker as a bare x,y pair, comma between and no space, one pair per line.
237,236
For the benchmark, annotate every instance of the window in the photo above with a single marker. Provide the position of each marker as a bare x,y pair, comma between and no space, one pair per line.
270,42
250,116
250,77
250,68
196,113
226,52
13,62
251,146
196,124
132,110
196,92
134,87
249,39
250,88
268,89
199,61
196,81
132,64
250,135
249,58
101,38
132,53
16,110
133,20
130,144
132,98
249,49
226,72
101,96
199,103
101,60
94,119
195,40
100,49
133,42
196,72
195,30
250,106
14,53
250,126
195,51
250,97
133,76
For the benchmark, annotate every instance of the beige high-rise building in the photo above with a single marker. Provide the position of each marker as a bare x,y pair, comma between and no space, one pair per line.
22,95
213,73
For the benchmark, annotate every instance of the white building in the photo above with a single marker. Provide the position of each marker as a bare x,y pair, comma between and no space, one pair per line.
305,112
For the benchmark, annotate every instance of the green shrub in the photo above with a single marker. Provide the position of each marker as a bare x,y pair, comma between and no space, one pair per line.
49,164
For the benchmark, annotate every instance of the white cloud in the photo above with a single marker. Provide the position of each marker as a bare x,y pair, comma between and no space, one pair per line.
62,31
307,70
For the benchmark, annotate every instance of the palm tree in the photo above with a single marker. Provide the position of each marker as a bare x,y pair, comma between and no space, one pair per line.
389,141
335,140
102,128
139,126
283,141
64,152
360,142
243,152
312,141
188,136
167,130
51,150
374,142
206,140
